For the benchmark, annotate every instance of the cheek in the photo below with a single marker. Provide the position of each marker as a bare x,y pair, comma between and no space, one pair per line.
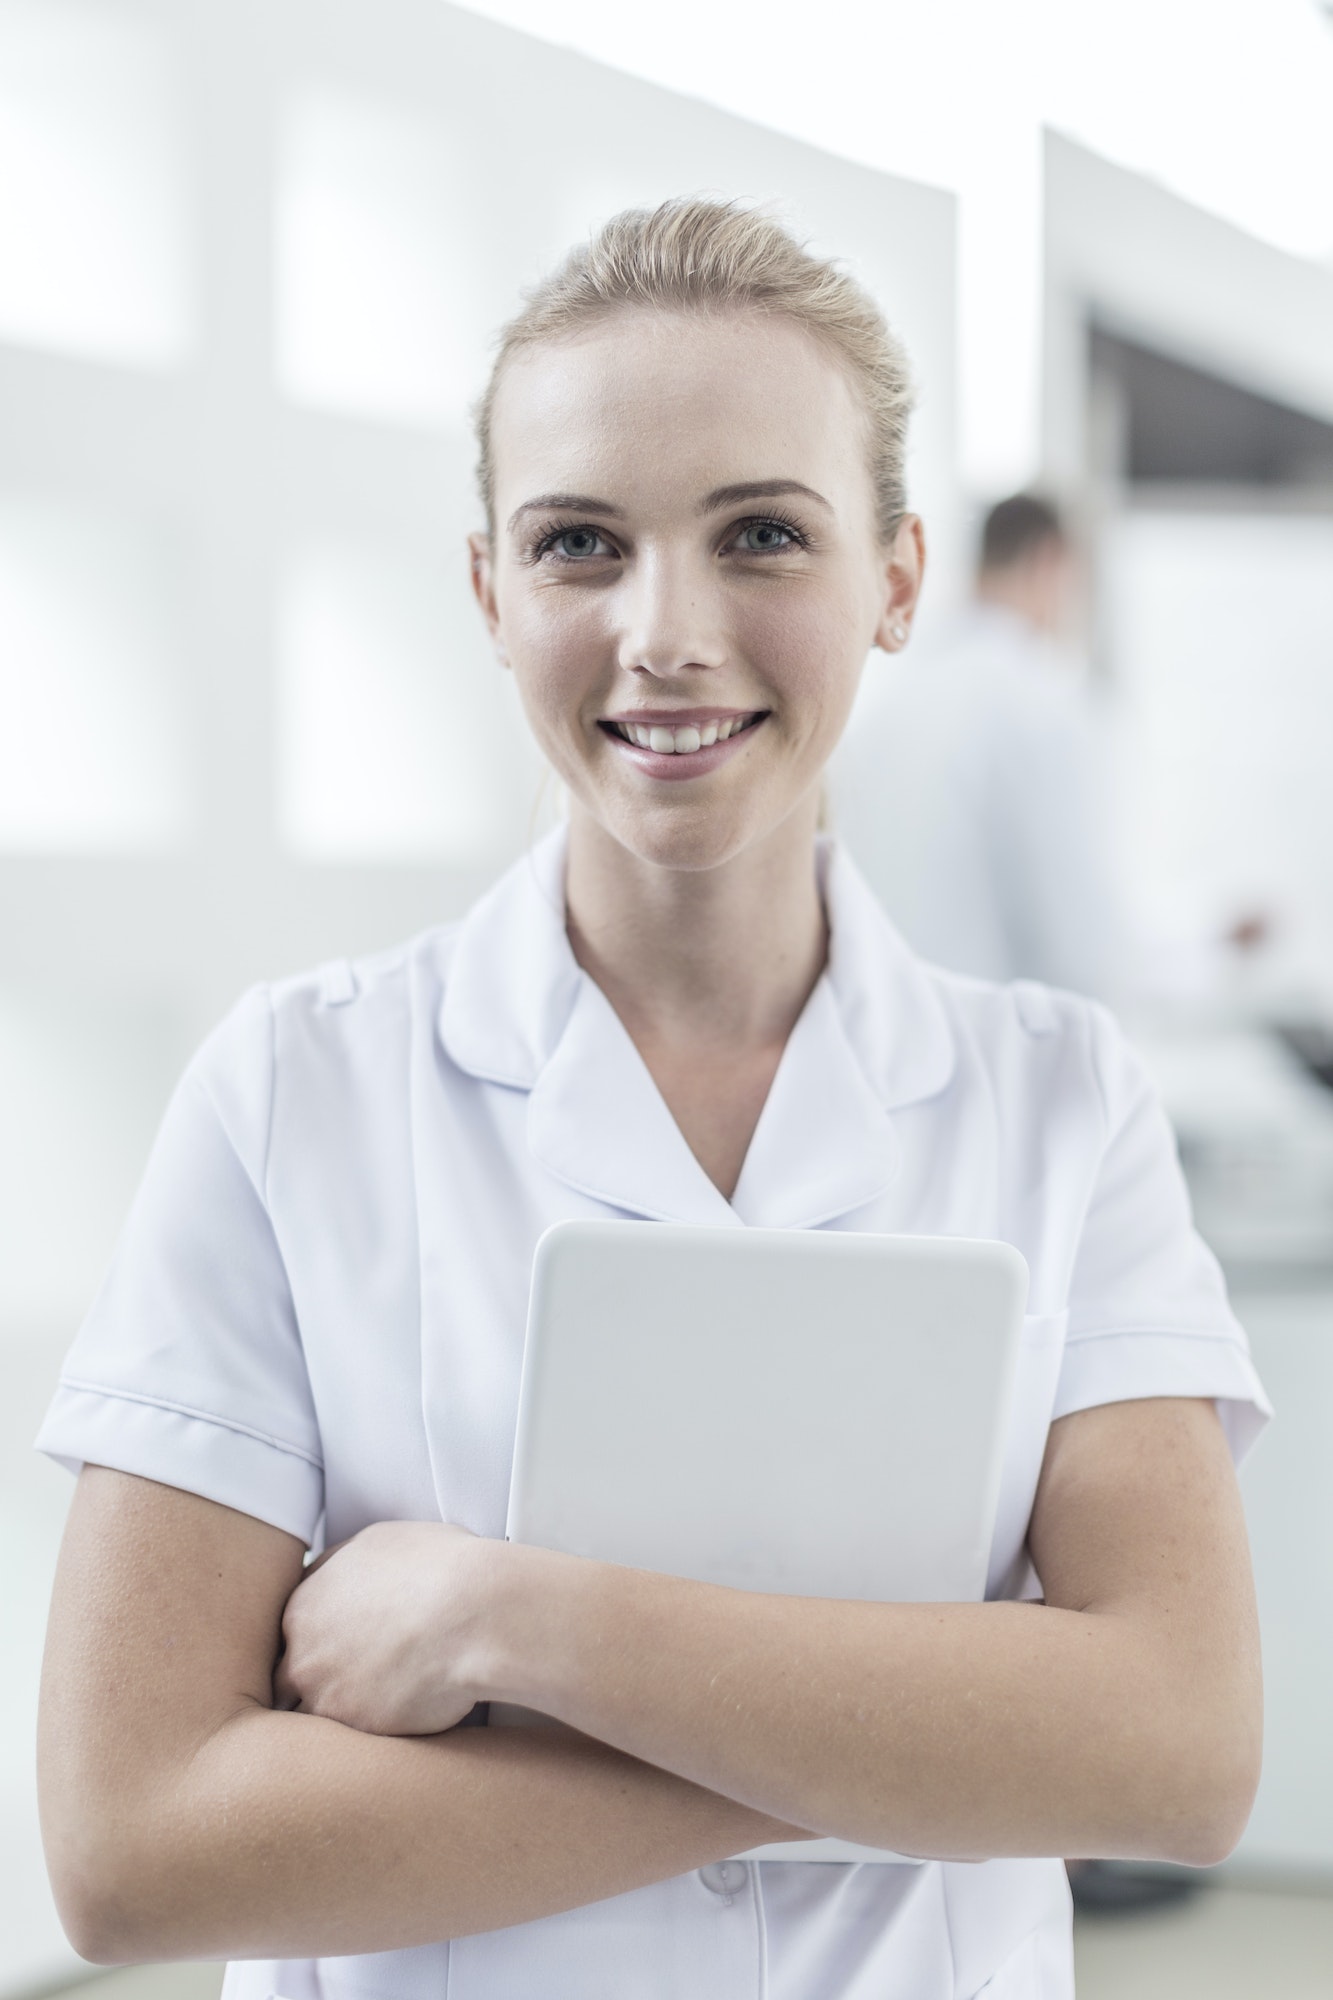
558,653
810,651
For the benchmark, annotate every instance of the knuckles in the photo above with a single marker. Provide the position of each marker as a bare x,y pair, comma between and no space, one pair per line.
351,1634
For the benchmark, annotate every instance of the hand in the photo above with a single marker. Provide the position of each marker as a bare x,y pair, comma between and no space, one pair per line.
380,1630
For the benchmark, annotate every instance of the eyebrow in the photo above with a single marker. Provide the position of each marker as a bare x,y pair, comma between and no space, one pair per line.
721,496
568,503
759,489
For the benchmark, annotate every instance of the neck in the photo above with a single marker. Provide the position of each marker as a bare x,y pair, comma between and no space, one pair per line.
717,959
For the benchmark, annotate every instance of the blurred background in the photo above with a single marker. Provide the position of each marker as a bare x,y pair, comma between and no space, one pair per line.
251,257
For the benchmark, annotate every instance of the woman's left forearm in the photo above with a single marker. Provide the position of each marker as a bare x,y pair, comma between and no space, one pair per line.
1121,1717
944,1730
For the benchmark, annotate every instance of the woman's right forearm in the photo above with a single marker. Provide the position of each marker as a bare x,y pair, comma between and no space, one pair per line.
291,1836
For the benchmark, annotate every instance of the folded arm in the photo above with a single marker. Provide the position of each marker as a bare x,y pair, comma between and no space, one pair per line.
1121,1717
184,1817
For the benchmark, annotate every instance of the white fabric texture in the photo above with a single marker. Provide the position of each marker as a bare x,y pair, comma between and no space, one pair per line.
316,1312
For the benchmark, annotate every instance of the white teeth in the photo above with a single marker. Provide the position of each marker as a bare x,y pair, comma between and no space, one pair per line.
680,742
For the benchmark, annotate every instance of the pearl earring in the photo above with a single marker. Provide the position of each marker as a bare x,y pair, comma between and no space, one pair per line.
898,634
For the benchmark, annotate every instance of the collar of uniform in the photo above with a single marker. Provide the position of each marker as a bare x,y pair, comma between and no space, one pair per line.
513,980
872,1037
888,999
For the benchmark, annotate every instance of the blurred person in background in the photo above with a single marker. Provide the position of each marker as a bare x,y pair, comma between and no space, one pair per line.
973,793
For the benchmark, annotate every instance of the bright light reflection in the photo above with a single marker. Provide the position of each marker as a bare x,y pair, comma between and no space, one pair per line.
373,302
92,221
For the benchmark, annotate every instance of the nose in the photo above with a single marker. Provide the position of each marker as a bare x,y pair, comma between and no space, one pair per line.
671,616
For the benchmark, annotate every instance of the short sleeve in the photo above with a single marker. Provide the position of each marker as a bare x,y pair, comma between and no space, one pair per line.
1148,1311
189,1367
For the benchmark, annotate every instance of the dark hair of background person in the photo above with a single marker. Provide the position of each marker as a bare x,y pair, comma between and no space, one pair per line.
1015,528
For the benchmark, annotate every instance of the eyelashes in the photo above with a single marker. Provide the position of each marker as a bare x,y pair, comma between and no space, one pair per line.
798,538
797,535
555,531
543,546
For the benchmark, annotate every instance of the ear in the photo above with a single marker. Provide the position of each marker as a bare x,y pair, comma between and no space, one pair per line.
483,589
903,574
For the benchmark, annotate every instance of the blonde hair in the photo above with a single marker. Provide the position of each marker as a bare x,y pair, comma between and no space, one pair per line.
701,256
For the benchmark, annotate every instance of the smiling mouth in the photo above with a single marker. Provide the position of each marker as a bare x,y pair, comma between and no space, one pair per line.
684,740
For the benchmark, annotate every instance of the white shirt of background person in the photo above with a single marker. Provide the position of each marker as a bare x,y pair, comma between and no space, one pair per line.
973,784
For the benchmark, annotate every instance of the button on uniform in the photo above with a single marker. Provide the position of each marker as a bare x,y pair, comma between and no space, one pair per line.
725,1878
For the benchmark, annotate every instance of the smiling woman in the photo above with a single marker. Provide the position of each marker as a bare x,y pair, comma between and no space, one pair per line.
684,1006
694,440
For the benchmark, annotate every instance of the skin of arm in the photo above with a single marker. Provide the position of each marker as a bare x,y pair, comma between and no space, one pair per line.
184,1817
1122,1717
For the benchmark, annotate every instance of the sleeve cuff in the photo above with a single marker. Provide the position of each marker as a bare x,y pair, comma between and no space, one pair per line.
254,1475
1126,1365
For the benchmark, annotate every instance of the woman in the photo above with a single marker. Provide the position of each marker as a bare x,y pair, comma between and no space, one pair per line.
686,1007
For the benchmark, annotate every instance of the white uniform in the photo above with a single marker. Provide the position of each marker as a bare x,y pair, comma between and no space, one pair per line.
318,1305
973,790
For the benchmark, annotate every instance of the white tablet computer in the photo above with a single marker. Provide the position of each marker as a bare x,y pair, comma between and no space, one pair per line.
809,1412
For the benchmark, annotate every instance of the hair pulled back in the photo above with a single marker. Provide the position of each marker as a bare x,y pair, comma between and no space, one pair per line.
693,255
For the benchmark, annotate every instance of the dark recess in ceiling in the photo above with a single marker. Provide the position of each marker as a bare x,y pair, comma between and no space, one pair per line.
1182,423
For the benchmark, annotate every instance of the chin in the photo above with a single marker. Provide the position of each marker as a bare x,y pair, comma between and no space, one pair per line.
690,838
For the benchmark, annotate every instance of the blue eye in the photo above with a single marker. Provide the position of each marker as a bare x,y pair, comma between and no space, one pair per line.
759,537
576,544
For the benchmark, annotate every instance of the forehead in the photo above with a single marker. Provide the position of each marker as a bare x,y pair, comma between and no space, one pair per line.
671,405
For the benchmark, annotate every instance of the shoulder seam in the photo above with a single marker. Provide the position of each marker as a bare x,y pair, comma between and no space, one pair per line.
260,1184
1089,1012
